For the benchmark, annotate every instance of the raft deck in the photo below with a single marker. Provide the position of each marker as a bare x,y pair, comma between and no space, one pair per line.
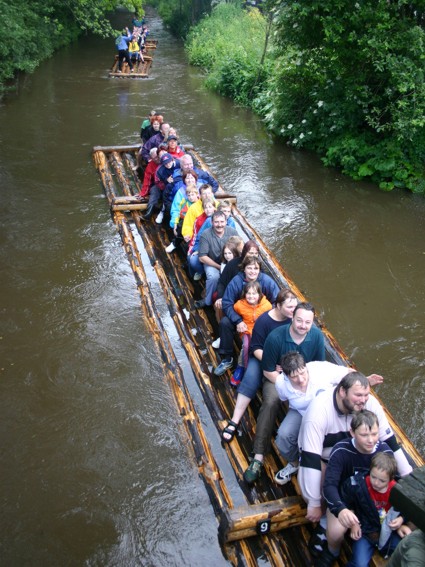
140,68
276,512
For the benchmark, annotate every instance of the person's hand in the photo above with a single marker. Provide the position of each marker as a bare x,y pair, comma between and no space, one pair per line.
347,518
403,531
170,179
356,532
186,238
218,304
241,327
396,523
375,379
175,231
314,513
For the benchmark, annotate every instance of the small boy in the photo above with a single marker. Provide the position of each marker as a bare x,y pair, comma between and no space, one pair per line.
379,525
192,196
226,208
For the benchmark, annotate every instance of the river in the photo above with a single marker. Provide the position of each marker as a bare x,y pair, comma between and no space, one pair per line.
97,469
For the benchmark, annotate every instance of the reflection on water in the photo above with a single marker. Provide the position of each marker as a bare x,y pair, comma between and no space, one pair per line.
98,471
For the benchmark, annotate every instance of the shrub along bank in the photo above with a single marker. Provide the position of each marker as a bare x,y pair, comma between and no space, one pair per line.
345,79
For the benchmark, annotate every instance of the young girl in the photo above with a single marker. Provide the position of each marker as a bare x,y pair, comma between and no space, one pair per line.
251,305
230,251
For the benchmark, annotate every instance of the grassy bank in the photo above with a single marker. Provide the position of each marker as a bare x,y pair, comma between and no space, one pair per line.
343,82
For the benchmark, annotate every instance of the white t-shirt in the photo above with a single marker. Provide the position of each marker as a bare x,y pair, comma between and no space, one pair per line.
322,375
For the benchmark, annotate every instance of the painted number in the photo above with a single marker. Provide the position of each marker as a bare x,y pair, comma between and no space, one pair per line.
263,527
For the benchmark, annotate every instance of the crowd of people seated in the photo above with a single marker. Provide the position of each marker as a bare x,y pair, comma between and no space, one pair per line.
333,428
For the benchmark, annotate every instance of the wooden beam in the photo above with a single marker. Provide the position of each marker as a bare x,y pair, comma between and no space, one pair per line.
260,519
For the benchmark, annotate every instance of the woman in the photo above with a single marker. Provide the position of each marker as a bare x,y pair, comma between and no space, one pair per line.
286,302
155,125
195,266
250,270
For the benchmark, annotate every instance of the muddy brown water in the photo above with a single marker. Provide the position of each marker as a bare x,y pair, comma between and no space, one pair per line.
96,466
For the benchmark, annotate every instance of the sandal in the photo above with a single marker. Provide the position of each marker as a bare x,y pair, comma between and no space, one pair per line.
230,429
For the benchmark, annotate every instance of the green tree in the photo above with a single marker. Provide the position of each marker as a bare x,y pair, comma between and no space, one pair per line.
32,31
348,82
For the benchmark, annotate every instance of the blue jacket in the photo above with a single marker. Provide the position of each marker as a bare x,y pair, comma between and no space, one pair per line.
122,42
203,177
234,291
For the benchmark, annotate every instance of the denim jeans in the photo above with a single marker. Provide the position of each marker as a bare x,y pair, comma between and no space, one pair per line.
363,550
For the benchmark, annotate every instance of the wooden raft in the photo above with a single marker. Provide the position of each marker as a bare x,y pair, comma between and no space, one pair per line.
243,512
140,68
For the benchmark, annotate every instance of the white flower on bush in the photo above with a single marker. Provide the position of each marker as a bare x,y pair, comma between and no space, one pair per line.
315,111
295,141
303,121
290,126
320,103
301,136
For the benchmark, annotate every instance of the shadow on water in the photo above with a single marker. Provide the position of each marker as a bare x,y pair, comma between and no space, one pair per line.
98,471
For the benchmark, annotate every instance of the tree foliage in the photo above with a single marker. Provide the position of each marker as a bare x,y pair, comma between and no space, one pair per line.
31,31
344,78
349,83
180,15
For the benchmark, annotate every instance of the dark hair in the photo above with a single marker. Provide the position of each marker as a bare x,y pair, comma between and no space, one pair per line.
248,260
203,187
385,462
216,215
364,417
291,362
284,294
252,285
189,171
247,247
233,245
352,378
306,306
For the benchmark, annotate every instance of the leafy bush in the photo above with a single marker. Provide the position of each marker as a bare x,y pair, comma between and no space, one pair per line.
229,45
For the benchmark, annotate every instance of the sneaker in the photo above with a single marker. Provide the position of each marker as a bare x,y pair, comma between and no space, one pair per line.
223,366
160,217
197,276
237,376
284,475
325,559
317,542
170,248
253,472
216,343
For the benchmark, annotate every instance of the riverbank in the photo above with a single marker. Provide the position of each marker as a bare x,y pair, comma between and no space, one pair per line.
353,109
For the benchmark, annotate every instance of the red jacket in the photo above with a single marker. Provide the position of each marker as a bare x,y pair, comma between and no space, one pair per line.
148,178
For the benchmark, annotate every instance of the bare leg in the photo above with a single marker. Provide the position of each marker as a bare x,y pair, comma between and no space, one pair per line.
242,402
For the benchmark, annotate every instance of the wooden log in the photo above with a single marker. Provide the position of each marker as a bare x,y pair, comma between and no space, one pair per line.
261,519
408,496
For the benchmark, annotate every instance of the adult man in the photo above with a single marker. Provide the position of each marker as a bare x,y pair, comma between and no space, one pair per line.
327,421
122,46
186,163
300,336
211,246
154,141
